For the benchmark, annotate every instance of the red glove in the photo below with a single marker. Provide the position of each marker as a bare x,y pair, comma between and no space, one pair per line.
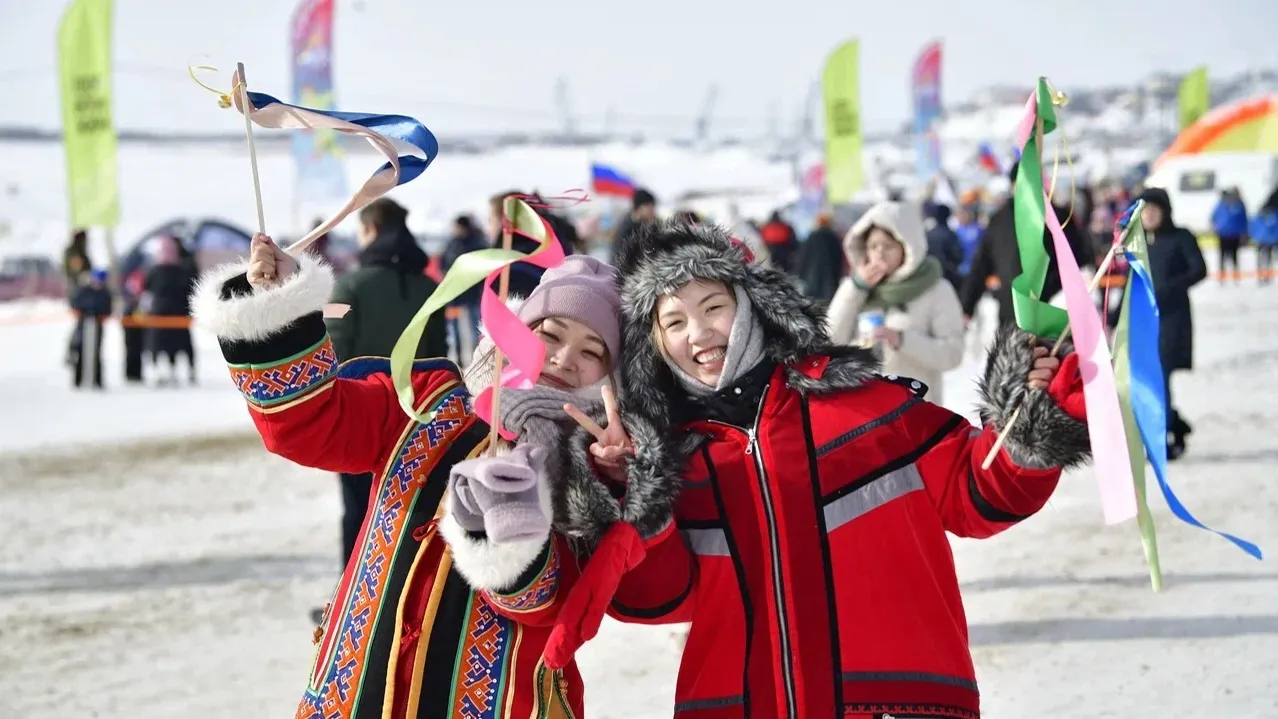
620,550
1066,389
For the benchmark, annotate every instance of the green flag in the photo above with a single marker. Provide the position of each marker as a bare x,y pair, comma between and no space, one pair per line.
88,132
1194,97
841,89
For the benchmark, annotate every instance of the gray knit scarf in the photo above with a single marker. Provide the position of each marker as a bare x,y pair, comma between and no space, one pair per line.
534,415
745,350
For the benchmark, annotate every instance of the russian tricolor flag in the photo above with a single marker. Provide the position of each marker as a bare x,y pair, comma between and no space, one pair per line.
607,181
988,160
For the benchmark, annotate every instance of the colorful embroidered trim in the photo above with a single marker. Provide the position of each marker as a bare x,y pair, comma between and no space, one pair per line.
480,674
540,593
340,661
288,379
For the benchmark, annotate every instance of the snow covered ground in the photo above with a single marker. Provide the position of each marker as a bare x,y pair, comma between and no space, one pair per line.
158,563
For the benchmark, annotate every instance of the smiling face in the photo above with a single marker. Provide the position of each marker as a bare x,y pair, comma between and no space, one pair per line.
576,355
694,324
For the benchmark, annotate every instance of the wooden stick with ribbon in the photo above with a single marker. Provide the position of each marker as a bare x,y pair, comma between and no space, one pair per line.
1035,214
241,85
508,208
1002,436
516,345
386,133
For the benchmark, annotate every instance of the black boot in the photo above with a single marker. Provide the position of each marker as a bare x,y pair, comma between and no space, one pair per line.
1175,445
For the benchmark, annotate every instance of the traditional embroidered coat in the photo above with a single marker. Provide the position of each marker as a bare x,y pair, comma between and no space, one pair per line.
404,636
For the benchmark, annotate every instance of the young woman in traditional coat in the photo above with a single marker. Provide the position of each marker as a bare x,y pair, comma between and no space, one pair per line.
405,634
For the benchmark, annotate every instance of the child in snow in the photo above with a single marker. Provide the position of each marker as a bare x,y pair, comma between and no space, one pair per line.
812,559
91,304
404,635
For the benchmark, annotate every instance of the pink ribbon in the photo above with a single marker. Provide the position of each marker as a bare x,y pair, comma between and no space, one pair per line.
523,349
1104,417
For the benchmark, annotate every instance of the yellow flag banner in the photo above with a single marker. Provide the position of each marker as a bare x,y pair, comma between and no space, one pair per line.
1194,97
841,89
88,132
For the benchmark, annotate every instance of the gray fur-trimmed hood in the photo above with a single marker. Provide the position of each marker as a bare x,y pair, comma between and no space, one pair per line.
585,506
667,256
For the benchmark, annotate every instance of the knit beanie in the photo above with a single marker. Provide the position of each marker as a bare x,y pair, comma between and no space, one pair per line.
581,288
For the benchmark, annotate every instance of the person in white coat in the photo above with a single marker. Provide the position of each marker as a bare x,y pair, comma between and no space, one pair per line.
921,333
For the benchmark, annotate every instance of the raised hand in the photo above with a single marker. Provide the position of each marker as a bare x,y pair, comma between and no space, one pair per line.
870,273
612,445
1066,389
1044,368
499,495
268,264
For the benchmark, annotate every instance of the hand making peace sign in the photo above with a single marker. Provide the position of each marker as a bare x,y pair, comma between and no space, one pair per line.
612,445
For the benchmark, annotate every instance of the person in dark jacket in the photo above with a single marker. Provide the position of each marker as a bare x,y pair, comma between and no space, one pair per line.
134,335
999,256
464,329
943,243
969,233
820,264
384,293
1229,220
75,270
91,304
643,211
524,277
1175,264
166,298
75,262
782,243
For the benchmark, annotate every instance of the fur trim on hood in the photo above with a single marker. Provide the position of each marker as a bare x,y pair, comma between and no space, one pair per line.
669,255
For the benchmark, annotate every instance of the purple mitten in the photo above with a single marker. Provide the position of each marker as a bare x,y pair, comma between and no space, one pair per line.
499,495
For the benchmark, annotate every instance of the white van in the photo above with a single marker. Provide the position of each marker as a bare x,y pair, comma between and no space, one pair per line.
1194,183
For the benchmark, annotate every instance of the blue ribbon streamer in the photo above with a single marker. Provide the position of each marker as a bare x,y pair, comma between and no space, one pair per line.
1149,402
1126,217
396,127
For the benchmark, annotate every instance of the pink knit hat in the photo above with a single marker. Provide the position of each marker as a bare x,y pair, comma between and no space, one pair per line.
583,289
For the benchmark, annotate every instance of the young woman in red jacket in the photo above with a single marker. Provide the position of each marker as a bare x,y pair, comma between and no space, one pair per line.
416,629
812,557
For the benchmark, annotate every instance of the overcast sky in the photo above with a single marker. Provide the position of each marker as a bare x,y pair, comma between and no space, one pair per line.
492,64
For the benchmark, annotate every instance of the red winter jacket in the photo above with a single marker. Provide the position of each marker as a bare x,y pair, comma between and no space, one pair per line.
813,560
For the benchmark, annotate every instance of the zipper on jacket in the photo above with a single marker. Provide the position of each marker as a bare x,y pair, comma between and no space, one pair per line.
774,542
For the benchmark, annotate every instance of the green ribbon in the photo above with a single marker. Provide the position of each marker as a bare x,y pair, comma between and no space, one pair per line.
1134,240
468,270
1030,211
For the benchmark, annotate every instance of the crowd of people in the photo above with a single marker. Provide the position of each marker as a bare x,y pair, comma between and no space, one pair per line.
725,414
154,311
698,448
